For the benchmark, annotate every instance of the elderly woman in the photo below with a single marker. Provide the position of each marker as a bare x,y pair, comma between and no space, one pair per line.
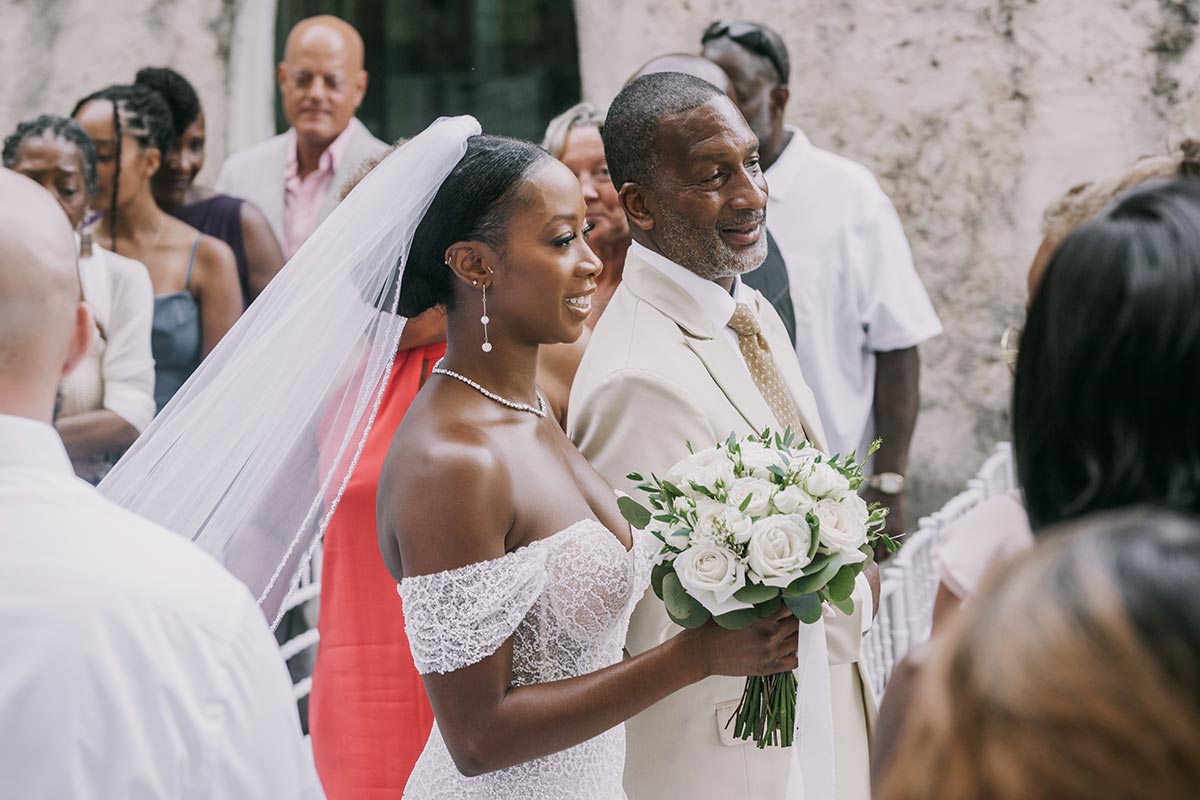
108,399
573,137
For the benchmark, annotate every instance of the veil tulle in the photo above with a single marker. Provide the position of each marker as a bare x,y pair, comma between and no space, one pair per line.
251,456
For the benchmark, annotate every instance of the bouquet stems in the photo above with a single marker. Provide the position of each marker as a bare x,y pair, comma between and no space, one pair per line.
767,711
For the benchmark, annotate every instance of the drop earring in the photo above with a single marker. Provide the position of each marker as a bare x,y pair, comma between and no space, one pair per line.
487,346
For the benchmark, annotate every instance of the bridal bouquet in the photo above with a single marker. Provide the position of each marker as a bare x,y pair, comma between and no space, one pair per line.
748,526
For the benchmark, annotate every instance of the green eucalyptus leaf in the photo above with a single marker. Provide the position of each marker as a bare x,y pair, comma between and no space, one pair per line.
841,585
634,512
769,607
657,574
736,620
845,606
817,580
806,607
633,476
683,609
755,593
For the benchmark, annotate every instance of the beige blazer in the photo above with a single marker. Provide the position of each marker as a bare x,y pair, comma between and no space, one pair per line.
256,173
658,373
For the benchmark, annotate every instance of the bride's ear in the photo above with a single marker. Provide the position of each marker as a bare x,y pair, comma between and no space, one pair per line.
471,262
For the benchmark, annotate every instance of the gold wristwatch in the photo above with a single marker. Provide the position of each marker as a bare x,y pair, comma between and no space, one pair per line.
886,483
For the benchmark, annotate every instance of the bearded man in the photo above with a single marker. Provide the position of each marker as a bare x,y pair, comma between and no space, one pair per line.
686,352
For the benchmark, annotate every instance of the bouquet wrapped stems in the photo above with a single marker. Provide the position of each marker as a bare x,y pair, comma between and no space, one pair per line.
767,712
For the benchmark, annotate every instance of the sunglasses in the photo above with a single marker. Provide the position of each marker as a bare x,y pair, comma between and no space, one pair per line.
751,37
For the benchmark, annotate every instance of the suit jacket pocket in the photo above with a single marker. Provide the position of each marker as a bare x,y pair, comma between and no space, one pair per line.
725,723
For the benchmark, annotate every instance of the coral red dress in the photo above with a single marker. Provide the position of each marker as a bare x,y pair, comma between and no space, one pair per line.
368,715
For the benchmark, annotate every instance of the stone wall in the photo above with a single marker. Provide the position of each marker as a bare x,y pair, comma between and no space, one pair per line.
973,114
52,52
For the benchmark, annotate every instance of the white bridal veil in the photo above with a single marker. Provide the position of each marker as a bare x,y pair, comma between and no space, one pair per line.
250,458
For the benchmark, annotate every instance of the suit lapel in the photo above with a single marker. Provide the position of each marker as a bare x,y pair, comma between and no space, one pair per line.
723,363
272,202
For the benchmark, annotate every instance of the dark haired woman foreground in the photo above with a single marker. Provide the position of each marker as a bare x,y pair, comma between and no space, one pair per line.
233,220
1071,676
196,295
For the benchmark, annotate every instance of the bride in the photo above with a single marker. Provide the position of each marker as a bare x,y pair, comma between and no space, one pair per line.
515,568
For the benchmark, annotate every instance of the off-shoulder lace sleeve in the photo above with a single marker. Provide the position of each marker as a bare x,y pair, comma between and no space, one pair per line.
461,616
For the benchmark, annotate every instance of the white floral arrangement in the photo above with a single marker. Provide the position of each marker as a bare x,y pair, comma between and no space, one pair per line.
751,525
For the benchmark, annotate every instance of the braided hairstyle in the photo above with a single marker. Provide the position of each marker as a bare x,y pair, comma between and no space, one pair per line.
139,112
175,89
53,126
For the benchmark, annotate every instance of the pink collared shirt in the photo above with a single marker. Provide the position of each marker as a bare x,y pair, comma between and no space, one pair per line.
304,198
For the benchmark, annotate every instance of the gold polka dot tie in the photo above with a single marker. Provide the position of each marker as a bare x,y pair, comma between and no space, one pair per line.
762,368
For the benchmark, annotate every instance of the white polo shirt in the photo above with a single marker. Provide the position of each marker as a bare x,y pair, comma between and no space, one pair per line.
133,664
853,284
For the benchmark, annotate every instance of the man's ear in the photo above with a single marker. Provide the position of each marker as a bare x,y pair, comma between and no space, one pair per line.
281,74
360,87
81,337
633,200
473,263
779,99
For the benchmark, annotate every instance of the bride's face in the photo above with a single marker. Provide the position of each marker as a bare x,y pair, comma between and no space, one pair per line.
545,288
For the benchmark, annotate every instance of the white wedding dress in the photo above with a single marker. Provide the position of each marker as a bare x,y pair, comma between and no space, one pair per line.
565,600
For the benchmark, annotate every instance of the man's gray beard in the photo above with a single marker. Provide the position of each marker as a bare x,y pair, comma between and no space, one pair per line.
702,250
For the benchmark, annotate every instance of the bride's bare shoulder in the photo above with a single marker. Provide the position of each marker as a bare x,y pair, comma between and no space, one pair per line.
445,498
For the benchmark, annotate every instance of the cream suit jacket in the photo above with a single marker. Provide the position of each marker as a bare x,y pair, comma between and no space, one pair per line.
658,373
256,173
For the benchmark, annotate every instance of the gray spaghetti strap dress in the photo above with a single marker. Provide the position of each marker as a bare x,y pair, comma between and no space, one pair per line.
175,337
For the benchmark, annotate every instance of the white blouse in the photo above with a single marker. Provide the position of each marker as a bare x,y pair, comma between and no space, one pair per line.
117,373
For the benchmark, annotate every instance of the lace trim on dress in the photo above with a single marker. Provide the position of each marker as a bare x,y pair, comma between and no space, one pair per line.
458,617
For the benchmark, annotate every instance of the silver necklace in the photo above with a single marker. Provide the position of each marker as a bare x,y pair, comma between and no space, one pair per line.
540,411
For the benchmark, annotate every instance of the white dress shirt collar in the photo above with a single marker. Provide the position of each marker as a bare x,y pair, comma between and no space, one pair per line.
714,300
29,444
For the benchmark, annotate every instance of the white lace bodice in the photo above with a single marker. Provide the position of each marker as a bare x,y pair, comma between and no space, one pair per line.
565,600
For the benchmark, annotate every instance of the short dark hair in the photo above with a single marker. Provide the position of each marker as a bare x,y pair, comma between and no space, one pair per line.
60,128
474,203
1105,399
758,39
179,94
631,129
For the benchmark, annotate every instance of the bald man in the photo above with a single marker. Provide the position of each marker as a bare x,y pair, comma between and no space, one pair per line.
294,177
134,664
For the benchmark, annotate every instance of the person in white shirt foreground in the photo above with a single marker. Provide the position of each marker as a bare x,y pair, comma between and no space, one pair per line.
860,307
134,665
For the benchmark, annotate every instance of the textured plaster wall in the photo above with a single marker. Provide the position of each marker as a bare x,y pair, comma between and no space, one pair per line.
52,52
973,114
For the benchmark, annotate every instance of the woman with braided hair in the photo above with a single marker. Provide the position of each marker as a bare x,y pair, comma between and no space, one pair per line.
235,221
108,399
196,294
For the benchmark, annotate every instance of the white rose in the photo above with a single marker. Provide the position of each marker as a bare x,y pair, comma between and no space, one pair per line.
721,524
793,500
778,549
757,458
824,480
839,531
696,462
711,574
758,490
683,505
856,506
